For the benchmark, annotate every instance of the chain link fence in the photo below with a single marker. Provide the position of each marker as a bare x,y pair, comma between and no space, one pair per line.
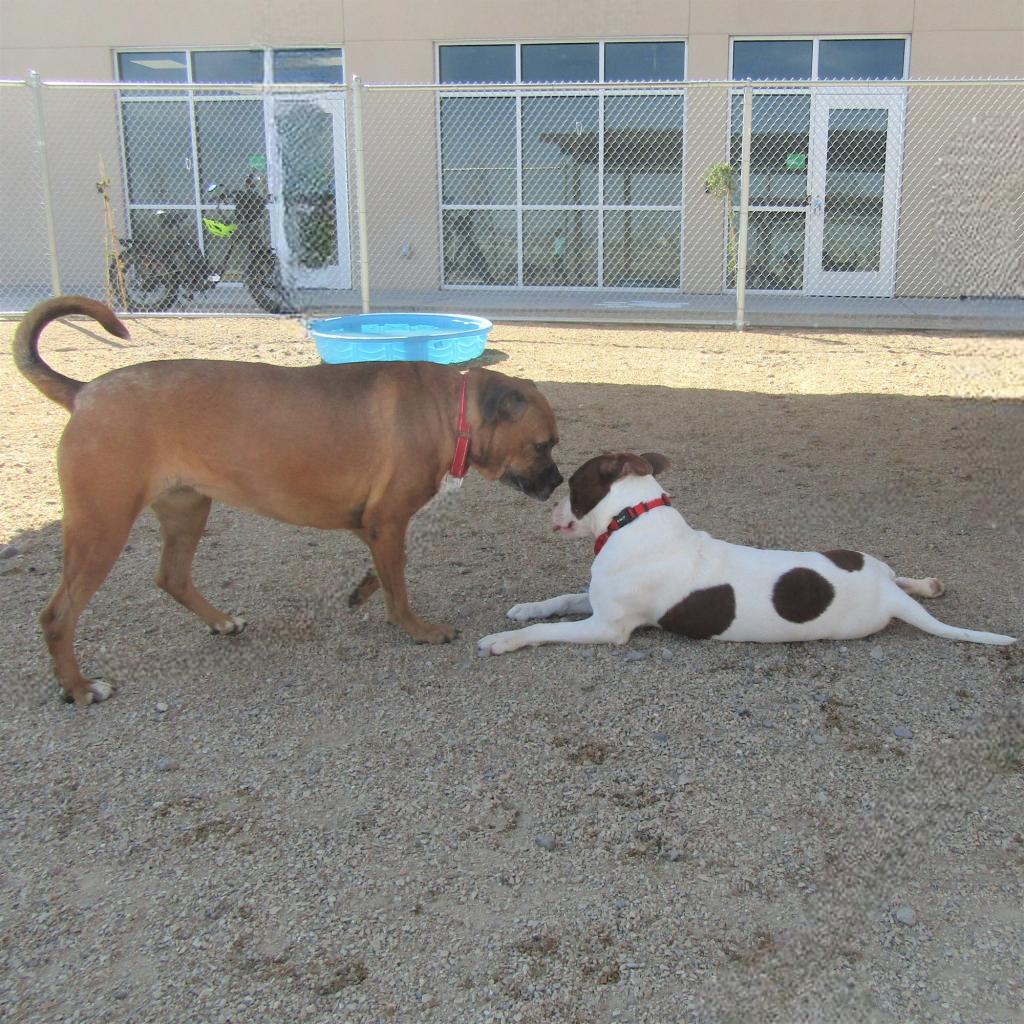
820,203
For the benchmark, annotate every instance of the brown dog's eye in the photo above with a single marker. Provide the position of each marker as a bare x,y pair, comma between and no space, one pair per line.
544,447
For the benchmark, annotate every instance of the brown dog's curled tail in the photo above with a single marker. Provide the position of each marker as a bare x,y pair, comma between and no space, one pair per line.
26,343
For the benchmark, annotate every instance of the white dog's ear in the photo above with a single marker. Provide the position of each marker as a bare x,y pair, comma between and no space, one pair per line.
657,462
615,467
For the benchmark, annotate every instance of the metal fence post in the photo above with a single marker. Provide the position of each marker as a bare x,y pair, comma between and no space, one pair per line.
35,85
741,242
357,139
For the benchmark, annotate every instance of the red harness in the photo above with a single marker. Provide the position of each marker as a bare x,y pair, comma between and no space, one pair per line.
460,463
626,516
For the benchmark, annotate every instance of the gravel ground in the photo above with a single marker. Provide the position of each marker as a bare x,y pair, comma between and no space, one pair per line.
321,821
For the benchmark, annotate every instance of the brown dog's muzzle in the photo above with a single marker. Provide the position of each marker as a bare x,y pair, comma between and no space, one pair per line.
536,485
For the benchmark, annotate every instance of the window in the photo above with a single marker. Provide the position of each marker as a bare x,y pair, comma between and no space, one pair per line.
579,188
644,62
780,59
560,62
814,59
176,143
308,66
486,63
861,58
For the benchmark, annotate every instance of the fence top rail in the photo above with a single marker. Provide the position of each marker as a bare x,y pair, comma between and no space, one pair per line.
478,87
796,84
216,87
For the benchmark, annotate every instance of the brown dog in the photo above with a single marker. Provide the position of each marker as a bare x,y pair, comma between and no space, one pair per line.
359,447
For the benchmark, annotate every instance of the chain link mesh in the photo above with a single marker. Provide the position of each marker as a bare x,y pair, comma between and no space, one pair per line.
602,202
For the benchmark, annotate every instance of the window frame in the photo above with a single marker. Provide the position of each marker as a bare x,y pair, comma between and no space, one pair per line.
520,90
190,97
601,43
816,40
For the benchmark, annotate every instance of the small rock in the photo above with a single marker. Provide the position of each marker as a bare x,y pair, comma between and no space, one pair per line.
161,707
166,764
744,712
8,551
660,737
821,698
903,732
906,915
546,841
816,737
667,655
634,656
586,652
120,994
877,653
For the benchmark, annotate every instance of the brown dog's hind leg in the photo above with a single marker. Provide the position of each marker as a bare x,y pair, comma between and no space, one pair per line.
92,544
387,545
364,589
182,514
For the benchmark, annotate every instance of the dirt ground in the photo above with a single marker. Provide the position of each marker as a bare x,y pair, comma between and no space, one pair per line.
321,821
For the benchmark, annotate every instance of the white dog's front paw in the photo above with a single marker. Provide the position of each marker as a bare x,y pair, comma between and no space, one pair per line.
527,611
498,643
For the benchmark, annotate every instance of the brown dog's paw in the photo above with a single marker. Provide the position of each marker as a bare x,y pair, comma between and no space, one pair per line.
231,626
434,633
95,691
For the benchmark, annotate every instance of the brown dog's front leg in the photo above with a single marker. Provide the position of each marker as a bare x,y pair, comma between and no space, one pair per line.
387,545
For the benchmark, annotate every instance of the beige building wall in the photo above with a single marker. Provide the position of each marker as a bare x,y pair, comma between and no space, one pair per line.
395,41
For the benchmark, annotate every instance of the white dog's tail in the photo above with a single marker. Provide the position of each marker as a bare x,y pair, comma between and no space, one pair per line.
908,610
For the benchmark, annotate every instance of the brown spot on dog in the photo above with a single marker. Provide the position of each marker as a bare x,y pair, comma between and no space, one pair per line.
702,614
801,595
851,561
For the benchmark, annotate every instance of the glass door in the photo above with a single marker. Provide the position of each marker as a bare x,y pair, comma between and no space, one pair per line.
308,184
856,143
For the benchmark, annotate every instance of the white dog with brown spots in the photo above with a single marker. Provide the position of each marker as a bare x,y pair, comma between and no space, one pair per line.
652,568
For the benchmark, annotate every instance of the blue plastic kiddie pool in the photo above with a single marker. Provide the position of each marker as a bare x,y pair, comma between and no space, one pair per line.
378,337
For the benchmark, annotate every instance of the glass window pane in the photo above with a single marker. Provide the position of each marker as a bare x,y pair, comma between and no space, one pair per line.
560,62
560,248
154,227
641,249
478,150
780,133
158,151
560,150
480,247
152,67
305,135
308,66
227,66
644,62
854,190
772,59
861,59
478,63
229,139
775,251
643,150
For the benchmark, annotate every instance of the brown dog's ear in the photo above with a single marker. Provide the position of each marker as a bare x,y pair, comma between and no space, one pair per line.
658,462
501,402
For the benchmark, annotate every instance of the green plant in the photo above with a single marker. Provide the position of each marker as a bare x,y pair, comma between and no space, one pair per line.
720,182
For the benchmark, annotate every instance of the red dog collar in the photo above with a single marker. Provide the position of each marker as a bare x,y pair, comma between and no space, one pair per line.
460,463
626,516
